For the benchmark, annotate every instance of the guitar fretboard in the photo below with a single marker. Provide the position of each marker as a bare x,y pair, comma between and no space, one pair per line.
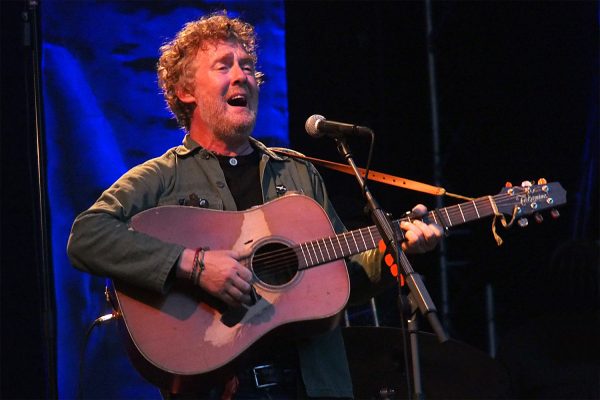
356,241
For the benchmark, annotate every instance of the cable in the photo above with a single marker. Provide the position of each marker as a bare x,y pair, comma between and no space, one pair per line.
98,321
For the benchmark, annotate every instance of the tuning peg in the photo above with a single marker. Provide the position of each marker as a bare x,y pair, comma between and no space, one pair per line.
523,222
538,218
542,181
554,213
526,184
508,185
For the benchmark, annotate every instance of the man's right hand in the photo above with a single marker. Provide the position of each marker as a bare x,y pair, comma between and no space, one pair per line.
223,276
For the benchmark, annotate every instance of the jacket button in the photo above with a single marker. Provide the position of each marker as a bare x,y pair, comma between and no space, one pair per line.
220,185
280,190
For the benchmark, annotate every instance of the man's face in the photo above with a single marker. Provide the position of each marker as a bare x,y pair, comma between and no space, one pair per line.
224,90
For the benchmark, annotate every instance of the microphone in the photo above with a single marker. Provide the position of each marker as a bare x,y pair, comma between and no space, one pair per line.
317,126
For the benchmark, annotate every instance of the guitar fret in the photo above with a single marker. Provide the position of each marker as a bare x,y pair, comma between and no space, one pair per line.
333,248
476,210
321,250
326,249
347,244
493,205
309,256
312,244
461,213
340,243
312,251
363,239
304,255
353,238
372,239
448,216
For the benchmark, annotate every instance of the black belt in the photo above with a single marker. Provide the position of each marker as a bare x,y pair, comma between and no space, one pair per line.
267,375
277,372
274,377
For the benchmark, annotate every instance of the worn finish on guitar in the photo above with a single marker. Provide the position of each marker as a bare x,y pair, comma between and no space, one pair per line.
184,339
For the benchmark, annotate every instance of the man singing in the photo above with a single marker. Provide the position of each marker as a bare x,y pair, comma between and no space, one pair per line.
209,79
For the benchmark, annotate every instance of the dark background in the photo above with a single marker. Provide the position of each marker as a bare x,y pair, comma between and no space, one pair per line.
517,90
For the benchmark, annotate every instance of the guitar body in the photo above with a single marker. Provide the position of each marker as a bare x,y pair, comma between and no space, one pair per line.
187,340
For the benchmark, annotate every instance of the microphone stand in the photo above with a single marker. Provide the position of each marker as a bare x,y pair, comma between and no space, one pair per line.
419,297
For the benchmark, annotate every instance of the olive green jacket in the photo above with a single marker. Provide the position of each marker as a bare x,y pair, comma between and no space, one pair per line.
102,243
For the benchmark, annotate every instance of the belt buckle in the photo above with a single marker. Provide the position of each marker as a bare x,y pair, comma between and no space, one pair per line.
257,380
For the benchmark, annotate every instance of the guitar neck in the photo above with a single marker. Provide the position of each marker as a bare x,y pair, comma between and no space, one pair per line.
356,241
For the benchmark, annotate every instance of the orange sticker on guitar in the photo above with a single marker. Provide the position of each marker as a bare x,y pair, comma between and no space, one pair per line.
389,260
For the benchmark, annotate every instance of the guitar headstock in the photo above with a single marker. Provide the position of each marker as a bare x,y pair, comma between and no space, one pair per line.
531,199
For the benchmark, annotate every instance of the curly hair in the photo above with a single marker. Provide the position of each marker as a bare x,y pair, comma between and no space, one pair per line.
175,65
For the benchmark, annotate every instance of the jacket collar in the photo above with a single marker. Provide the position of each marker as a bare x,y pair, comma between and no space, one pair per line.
189,146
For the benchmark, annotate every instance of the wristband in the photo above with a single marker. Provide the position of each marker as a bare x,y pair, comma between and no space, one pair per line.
197,265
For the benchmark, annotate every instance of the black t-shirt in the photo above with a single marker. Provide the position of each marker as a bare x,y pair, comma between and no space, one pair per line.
243,178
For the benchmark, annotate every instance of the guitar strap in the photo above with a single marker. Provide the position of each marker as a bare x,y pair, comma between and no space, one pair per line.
373,175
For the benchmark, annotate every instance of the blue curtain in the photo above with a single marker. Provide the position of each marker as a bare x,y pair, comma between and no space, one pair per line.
104,114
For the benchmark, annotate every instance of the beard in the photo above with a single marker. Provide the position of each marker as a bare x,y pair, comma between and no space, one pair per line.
228,122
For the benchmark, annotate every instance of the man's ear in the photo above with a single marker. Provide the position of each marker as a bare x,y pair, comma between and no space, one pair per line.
184,95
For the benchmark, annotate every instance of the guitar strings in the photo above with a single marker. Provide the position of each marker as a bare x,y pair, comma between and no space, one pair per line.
273,262
282,260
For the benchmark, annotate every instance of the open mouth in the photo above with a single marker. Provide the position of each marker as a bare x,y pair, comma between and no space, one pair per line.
237,101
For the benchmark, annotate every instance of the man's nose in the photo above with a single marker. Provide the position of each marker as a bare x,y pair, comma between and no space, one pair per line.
238,74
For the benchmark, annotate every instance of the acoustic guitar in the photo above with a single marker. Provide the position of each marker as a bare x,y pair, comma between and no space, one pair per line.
185,340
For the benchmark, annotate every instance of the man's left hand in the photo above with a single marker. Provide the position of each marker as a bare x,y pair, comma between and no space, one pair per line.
420,237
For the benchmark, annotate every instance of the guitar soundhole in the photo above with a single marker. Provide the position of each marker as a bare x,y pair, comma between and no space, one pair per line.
275,264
